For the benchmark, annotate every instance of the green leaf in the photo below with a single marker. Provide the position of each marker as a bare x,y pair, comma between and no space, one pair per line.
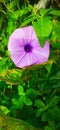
57,85
29,20
20,90
43,11
39,103
40,112
43,28
4,109
11,26
21,102
15,103
48,67
54,101
44,117
31,93
52,124
27,101
54,113
15,14
42,40
47,128
55,12
57,74
18,103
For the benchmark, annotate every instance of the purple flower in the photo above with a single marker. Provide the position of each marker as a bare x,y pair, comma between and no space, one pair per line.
25,49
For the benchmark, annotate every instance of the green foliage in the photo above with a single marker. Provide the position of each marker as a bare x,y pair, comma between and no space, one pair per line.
20,90
32,93
54,101
40,112
41,29
30,19
18,103
47,128
4,110
27,101
55,12
39,104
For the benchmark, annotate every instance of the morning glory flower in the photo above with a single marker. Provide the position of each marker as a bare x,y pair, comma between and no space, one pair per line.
25,49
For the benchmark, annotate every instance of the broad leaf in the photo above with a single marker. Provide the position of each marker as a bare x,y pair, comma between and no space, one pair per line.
27,101
40,112
43,28
39,103
54,101
4,110
55,12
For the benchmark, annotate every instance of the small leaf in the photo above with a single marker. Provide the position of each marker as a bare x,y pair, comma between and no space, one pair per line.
21,102
18,103
48,67
40,112
39,104
43,11
27,101
15,14
31,93
47,128
4,109
54,101
44,117
15,103
20,90
55,12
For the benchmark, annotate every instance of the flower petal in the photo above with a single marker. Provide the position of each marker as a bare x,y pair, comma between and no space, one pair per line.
15,45
17,34
27,60
35,43
17,56
23,33
27,33
42,53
